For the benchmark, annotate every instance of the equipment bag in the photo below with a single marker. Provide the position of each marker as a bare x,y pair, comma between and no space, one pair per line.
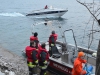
89,69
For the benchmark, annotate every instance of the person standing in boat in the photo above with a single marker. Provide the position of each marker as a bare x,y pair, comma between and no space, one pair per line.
52,41
34,39
32,58
43,59
46,7
78,68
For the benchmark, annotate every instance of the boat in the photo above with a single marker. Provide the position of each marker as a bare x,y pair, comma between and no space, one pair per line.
48,12
62,59
61,62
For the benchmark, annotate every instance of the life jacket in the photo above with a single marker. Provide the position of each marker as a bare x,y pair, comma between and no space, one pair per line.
41,57
29,50
32,38
53,38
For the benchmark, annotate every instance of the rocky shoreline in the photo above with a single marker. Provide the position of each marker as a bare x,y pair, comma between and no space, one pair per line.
12,63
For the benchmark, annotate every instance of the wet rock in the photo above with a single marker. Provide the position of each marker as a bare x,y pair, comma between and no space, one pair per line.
13,65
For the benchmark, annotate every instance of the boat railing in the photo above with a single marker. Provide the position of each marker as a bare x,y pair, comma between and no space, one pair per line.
74,40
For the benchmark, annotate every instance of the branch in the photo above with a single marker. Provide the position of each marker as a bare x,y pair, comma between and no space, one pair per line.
89,11
97,11
98,14
94,31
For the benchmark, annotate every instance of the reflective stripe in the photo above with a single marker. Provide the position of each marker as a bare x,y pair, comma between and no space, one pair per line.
43,67
36,61
45,62
31,65
45,73
52,44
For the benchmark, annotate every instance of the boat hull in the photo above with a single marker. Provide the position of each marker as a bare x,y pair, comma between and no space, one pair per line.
48,14
59,69
64,64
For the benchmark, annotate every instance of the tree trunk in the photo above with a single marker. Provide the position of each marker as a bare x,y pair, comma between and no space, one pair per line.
97,72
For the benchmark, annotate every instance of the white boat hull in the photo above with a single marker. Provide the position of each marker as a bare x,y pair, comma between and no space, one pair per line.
48,13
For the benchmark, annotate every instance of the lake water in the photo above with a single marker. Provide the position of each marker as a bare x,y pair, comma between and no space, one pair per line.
15,27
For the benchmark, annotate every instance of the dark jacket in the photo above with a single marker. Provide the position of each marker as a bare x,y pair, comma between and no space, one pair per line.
43,54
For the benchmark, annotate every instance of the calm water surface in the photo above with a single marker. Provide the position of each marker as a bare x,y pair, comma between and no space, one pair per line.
15,27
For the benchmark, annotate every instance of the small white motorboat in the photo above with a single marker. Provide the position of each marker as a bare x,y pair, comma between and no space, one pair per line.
48,12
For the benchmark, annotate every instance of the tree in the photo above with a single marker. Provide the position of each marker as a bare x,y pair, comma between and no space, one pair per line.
94,13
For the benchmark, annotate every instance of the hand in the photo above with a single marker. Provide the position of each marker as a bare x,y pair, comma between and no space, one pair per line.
84,61
83,72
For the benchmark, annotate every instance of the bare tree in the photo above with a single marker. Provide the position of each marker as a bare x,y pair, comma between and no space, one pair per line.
95,13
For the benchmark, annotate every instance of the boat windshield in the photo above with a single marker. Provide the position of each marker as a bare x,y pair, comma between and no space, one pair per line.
50,7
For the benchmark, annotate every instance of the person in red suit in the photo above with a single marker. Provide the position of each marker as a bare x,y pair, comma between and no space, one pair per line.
46,7
43,59
32,57
52,41
34,39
